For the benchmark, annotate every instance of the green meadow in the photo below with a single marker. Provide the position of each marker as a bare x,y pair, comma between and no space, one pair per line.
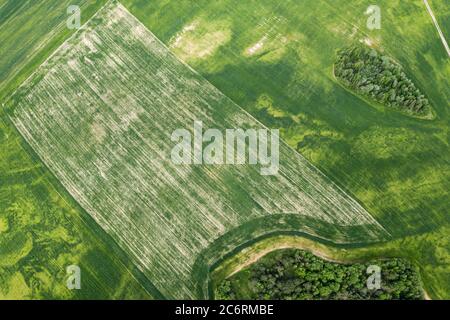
274,59
115,120
42,229
441,9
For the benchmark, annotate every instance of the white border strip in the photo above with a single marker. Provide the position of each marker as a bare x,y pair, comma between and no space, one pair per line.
444,42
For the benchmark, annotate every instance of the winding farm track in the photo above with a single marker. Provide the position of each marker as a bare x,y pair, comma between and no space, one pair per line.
444,42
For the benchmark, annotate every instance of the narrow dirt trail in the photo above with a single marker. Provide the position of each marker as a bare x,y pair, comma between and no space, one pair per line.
444,42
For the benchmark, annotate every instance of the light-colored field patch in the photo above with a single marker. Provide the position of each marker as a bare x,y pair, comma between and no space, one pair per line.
98,131
273,43
15,289
373,42
265,102
163,215
4,224
255,48
200,39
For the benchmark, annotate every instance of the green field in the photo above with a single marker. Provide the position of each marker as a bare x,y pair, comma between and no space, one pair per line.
396,166
116,123
42,230
30,31
275,61
390,162
441,9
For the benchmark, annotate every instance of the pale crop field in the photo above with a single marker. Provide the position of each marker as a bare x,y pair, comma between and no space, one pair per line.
100,113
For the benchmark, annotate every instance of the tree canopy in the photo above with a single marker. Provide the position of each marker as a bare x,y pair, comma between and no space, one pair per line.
297,274
380,78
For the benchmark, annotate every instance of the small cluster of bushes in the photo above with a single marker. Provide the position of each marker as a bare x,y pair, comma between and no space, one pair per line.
379,77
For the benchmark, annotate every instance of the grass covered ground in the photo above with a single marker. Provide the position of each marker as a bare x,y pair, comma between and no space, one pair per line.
30,31
275,60
103,108
42,231
382,157
441,9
